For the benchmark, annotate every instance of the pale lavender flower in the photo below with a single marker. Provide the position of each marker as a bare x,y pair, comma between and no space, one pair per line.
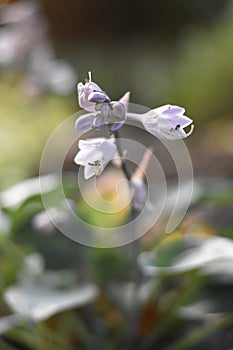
118,113
112,114
90,94
85,122
94,155
166,122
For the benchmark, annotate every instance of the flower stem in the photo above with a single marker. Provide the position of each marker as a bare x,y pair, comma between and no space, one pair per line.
120,152
133,317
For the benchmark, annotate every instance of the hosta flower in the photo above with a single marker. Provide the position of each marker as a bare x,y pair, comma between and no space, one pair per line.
90,94
112,114
118,113
166,122
94,155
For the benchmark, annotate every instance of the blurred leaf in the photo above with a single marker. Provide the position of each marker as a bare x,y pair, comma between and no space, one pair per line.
39,295
8,322
185,255
39,303
15,196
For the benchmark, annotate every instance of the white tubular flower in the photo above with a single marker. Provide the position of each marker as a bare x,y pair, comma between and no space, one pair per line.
94,155
90,94
166,122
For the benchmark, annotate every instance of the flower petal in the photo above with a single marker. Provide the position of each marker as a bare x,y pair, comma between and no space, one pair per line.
88,155
85,104
91,142
160,110
98,97
84,123
109,150
89,171
82,156
168,121
83,93
174,110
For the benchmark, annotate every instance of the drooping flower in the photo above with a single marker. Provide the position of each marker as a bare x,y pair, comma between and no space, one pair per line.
90,94
94,155
166,122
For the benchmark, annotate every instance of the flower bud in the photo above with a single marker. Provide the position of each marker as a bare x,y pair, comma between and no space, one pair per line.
102,116
139,188
90,94
140,193
118,114
85,123
98,97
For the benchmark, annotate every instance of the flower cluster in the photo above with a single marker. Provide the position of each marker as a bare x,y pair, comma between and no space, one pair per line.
104,111
165,122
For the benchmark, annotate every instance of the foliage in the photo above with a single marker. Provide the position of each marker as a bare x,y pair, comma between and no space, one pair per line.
60,295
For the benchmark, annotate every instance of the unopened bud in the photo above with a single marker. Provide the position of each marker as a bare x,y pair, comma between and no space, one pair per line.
118,110
98,97
118,114
139,195
102,116
85,123
140,190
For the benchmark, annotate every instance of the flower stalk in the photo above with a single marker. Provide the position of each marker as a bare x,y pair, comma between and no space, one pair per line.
165,122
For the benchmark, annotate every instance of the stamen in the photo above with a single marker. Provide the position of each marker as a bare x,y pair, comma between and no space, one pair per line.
89,76
98,167
190,131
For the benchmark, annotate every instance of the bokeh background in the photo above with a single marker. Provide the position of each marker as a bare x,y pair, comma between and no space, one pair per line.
165,51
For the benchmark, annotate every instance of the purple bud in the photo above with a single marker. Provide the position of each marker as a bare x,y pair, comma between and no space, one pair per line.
90,94
102,116
85,123
140,189
98,122
140,193
118,110
98,97
117,117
